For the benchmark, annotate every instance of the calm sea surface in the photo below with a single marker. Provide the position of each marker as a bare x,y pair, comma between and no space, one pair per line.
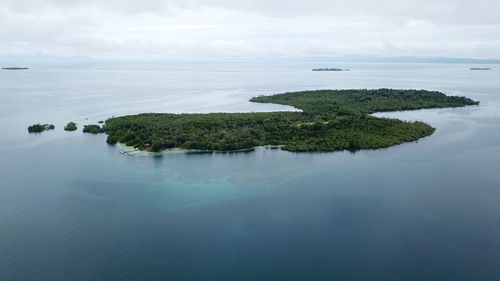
74,208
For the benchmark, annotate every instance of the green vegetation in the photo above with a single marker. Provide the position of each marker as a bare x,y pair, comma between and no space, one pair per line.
360,102
38,128
330,120
92,129
71,126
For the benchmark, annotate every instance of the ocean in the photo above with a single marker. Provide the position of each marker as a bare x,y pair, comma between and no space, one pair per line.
73,208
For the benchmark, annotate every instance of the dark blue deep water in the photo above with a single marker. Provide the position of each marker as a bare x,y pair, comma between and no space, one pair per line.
74,208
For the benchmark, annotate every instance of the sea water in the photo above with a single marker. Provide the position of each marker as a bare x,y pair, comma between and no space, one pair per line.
73,208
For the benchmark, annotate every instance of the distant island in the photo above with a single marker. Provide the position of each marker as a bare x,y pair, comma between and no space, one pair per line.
330,120
38,128
330,69
15,68
480,68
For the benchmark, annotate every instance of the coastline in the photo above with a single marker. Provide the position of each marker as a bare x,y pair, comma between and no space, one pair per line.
131,151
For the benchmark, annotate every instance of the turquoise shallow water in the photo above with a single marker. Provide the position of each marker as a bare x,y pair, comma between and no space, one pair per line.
74,208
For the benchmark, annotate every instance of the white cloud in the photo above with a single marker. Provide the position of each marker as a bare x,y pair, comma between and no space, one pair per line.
193,28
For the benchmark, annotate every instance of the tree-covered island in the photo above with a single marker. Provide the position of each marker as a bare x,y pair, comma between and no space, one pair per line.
38,128
330,120
71,126
92,129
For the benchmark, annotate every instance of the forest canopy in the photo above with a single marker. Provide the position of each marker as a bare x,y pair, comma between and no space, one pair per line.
71,126
330,120
92,129
38,128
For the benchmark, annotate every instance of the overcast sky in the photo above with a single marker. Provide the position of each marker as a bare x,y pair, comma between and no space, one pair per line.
240,28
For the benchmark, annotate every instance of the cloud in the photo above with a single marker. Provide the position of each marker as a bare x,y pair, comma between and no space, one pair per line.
195,28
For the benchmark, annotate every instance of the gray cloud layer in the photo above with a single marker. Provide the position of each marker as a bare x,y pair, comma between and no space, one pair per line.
174,28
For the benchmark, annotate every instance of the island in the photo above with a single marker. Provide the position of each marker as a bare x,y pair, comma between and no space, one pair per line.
329,120
480,68
38,128
92,129
330,69
71,126
15,68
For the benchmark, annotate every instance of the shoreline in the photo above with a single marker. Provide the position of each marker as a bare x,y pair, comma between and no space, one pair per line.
132,151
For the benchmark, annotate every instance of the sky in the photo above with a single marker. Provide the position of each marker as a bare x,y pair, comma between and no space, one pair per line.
256,28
